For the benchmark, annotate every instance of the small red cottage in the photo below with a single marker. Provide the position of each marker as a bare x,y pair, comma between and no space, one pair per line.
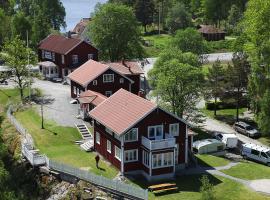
65,53
106,79
211,33
138,137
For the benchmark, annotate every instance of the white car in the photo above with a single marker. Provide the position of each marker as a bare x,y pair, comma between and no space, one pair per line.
257,153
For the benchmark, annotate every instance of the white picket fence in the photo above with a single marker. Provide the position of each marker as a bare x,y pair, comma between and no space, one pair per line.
32,155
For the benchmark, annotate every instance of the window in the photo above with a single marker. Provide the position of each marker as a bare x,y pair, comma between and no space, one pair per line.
75,59
108,93
51,70
53,56
255,152
47,55
90,56
78,92
74,90
132,135
109,131
117,153
97,138
174,129
43,54
117,137
94,82
109,146
108,78
131,155
264,155
162,160
155,131
121,80
63,59
146,158
268,153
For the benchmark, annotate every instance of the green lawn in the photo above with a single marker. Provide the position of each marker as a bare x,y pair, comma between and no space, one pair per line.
157,44
211,161
226,115
224,189
58,143
12,94
249,170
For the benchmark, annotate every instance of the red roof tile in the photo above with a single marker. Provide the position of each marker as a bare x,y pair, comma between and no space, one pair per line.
122,110
127,67
92,97
59,44
88,72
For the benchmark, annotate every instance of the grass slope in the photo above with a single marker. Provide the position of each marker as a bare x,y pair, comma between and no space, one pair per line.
249,170
211,161
157,43
57,143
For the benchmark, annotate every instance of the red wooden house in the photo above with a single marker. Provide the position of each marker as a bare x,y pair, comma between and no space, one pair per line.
138,137
106,79
65,55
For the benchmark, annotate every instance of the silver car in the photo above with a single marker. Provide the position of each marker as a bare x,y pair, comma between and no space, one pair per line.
246,129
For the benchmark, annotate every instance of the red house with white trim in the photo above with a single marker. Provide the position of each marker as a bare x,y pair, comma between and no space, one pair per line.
138,137
65,53
106,79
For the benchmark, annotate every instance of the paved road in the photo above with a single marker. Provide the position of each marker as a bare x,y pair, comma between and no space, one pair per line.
59,110
215,125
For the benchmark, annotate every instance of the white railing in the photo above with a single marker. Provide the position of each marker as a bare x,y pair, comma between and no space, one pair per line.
158,144
125,189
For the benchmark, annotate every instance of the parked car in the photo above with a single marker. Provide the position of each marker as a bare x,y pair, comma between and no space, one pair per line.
208,146
230,140
256,153
246,129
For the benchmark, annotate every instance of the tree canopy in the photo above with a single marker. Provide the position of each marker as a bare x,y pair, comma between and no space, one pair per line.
115,32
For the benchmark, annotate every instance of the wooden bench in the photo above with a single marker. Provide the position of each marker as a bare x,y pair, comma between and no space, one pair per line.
162,187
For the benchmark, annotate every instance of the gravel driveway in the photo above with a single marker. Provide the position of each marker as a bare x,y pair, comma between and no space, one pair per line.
59,109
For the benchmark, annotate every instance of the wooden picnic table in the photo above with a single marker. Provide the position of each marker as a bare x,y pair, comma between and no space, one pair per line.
162,187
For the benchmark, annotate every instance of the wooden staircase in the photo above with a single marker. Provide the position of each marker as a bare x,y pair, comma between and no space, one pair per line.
84,131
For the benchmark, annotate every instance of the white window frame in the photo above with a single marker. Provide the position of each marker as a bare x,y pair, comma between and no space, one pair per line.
170,129
116,149
53,56
48,55
145,158
121,80
109,146
163,161
90,56
63,59
98,138
75,59
130,152
94,82
134,140
155,127
108,93
108,78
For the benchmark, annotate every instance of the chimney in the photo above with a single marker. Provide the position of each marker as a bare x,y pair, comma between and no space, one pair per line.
69,34
141,94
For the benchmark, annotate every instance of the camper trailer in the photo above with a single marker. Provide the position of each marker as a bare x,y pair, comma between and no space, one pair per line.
208,146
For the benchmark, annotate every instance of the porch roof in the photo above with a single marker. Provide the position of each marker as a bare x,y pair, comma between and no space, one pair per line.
47,64
91,97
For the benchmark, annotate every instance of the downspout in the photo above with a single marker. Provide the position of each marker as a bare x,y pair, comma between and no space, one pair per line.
122,155
186,149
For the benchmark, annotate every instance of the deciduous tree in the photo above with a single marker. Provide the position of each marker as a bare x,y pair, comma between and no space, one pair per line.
114,30
16,54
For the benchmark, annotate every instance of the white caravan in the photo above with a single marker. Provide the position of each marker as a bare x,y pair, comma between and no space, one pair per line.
257,153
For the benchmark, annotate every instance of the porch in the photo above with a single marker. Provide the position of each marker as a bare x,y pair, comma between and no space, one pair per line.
49,70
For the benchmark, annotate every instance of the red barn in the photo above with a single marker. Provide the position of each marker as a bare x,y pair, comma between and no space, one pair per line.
106,79
138,137
65,53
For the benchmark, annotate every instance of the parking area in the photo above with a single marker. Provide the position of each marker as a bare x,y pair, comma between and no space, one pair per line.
58,107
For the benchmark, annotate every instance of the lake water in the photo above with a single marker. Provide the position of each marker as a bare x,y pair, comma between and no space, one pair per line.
78,9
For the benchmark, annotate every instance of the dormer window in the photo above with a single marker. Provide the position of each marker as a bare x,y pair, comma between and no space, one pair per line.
75,59
108,78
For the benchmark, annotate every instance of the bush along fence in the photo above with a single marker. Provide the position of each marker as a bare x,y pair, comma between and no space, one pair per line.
36,159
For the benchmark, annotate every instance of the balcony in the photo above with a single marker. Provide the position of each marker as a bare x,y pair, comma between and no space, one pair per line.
158,144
